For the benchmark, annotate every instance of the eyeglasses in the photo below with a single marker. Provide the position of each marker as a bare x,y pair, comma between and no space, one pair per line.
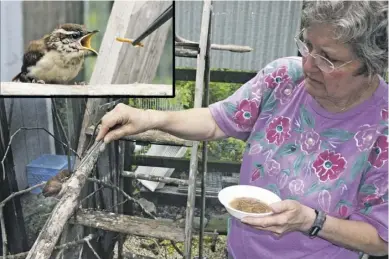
321,62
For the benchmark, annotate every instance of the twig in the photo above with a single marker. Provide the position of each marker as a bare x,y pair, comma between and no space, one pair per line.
124,193
30,128
81,252
60,247
120,203
60,254
93,250
176,248
3,202
90,195
137,202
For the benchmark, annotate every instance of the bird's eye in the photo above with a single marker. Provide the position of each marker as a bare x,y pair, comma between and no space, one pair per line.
76,35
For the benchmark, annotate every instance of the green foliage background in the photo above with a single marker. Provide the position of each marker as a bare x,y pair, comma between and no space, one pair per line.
229,149
226,150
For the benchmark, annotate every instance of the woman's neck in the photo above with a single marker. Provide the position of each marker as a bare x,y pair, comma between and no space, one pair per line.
360,95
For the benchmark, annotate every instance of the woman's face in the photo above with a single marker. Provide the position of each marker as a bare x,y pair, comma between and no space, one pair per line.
338,84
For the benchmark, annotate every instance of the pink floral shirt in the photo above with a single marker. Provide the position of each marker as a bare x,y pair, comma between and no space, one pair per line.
332,162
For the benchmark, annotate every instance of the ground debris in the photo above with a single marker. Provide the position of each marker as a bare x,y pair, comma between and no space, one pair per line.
138,245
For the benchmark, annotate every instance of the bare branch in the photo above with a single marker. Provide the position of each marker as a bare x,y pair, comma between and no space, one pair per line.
93,250
3,202
124,193
30,128
60,247
90,195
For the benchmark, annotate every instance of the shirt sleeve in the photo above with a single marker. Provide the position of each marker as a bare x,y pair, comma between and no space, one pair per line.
373,192
237,114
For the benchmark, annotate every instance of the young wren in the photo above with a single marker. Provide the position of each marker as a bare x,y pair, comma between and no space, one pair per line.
58,57
55,184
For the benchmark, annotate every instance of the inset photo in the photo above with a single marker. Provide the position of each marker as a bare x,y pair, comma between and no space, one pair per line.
87,48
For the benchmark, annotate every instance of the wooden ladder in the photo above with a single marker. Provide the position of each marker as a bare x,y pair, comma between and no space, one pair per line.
201,52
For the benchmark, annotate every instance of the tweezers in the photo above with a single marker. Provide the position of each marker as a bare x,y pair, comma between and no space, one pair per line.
166,15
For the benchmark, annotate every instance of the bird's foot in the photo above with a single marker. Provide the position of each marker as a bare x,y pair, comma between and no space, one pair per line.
38,81
80,83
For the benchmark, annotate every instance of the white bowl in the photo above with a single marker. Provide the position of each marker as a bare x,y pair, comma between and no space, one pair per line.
227,194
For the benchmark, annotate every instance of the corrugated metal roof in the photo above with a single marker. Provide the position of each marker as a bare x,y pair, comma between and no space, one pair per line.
266,26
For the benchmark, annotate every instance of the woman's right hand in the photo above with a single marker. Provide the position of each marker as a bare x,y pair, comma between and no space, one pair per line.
123,120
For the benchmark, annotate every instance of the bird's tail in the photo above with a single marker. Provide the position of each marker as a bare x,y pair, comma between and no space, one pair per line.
17,77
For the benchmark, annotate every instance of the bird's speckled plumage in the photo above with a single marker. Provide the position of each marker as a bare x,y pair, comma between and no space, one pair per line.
57,57
54,185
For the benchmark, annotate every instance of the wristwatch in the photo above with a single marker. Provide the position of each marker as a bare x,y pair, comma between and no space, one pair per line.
318,223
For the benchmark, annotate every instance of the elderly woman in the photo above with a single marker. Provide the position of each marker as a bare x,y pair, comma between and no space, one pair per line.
316,131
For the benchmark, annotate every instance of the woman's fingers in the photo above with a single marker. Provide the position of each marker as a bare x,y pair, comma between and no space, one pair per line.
276,231
268,221
110,120
117,133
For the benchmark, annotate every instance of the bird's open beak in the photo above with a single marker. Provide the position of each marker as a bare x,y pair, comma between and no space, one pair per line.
85,41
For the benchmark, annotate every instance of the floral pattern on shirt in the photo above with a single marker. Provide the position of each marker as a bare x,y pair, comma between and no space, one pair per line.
324,200
329,165
379,154
384,114
247,112
296,187
278,130
285,94
365,137
257,172
309,141
277,77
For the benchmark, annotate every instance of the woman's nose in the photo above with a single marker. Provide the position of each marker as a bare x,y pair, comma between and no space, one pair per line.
309,64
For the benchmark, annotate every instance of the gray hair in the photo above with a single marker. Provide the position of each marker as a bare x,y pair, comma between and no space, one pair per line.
363,25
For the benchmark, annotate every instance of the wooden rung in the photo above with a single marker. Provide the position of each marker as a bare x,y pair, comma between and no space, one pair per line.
152,137
208,192
132,225
230,180
185,53
155,178
187,45
182,164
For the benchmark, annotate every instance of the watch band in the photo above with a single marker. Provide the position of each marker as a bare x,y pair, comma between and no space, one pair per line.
318,223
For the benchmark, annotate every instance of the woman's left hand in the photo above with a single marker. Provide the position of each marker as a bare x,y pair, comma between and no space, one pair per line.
289,215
